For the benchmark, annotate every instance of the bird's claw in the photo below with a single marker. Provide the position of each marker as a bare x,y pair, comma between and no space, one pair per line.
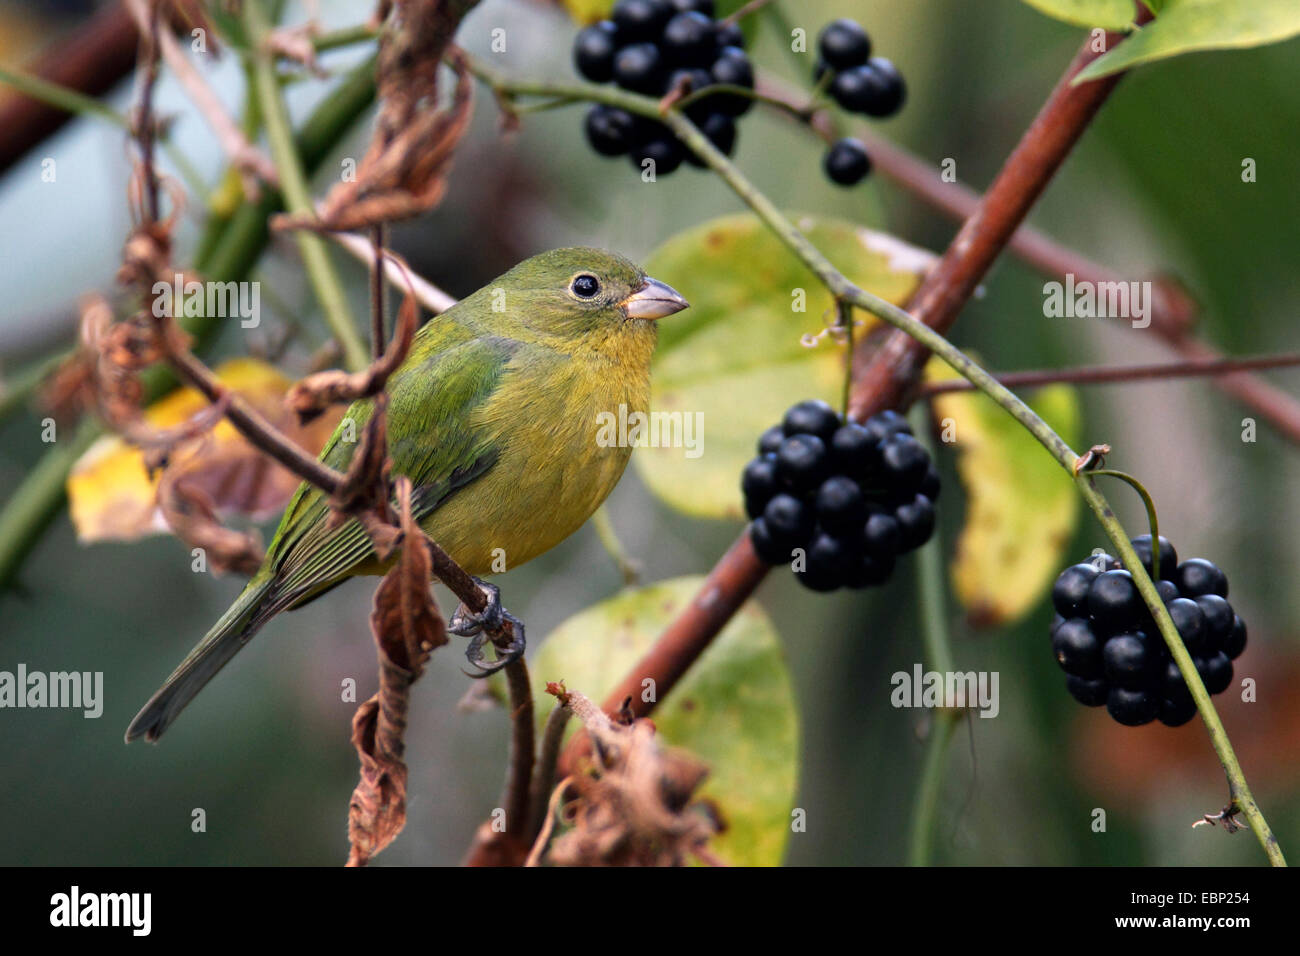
467,623
483,628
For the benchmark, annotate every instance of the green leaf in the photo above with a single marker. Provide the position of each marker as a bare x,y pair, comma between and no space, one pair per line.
1110,14
734,708
588,11
1021,507
1187,25
734,361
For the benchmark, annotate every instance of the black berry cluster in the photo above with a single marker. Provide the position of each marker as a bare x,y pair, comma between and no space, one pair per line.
859,82
853,497
1106,640
653,47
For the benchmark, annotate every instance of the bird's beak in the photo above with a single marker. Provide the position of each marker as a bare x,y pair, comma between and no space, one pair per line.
653,300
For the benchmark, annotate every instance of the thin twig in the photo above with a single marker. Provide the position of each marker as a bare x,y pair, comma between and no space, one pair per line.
396,270
243,155
1108,374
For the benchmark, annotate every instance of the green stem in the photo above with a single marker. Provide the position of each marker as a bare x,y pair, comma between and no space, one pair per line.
938,657
27,513
297,195
845,290
1152,518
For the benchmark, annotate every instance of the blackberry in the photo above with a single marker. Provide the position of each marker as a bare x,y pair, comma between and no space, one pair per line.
653,47
853,496
843,43
1104,637
846,162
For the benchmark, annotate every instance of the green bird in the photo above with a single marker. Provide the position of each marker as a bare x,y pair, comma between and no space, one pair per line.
493,417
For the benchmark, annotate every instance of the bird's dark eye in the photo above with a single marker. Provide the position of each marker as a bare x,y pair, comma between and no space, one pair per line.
585,286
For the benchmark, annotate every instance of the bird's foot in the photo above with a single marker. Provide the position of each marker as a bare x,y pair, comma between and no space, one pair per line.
489,626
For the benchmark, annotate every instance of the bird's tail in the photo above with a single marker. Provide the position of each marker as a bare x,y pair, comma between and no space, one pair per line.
244,618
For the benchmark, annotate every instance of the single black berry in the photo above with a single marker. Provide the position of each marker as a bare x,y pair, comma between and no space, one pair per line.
789,521
1128,661
802,462
729,34
1168,556
881,534
930,484
841,506
846,162
1215,671
1218,619
886,423
812,417
855,451
759,483
827,558
888,92
1070,592
1189,621
1077,649
639,68
770,549
1176,711
720,130
1236,640
905,461
1113,602
1167,591
610,130
843,43
593,51
665,152
1196,576
732,68
916,521
770,440
688,39
641,20
1090,693
1132,708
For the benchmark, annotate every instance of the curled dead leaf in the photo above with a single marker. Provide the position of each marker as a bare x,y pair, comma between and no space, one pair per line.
407,627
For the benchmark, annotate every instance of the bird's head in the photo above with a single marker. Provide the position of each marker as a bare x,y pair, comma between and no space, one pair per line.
583,295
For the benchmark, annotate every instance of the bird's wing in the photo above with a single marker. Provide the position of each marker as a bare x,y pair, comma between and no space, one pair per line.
432,400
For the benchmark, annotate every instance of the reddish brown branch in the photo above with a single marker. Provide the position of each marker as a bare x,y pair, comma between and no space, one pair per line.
91,60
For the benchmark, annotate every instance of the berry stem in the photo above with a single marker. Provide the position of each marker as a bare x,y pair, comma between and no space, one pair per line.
1151,513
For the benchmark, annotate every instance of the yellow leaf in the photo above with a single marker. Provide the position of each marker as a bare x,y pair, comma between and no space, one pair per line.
112,498
1021,507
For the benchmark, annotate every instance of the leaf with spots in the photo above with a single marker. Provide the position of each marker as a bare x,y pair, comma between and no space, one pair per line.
729,366
734,709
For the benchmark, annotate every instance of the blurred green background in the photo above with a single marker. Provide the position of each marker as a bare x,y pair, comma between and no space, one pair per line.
1154,186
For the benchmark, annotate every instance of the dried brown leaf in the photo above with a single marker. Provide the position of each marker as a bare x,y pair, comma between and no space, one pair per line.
637,808
189,512
407,627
